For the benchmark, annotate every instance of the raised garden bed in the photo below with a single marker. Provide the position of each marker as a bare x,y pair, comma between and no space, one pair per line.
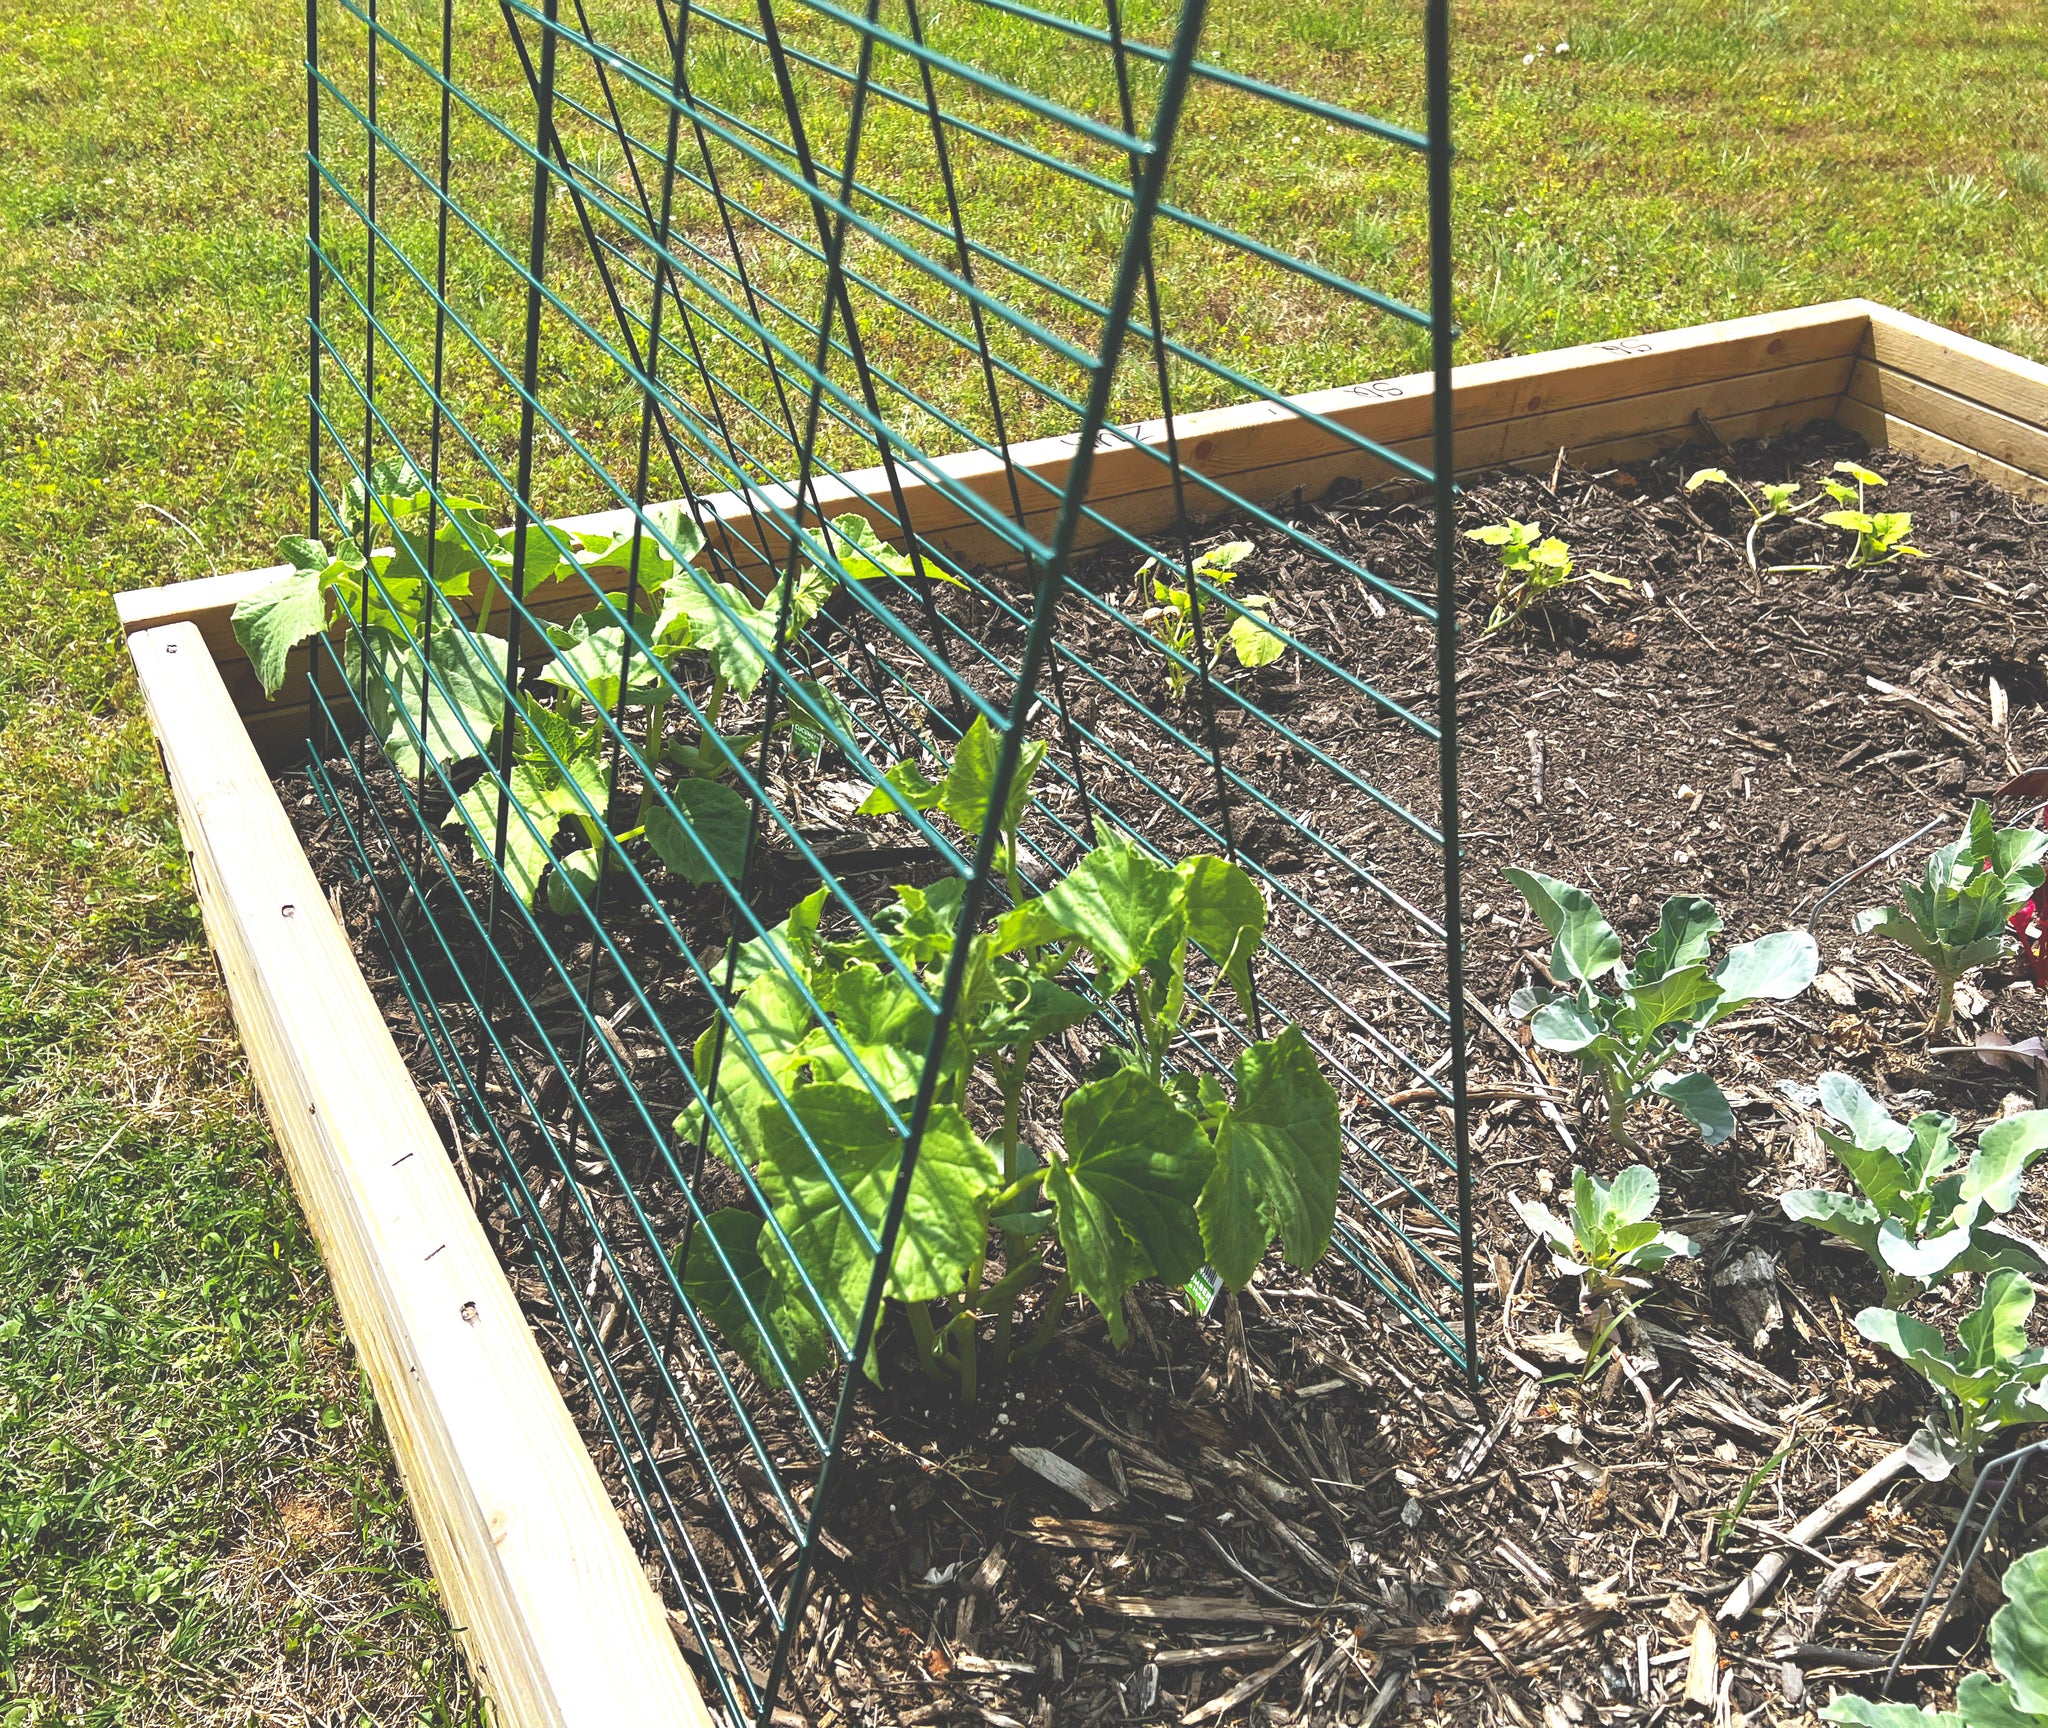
1331,1456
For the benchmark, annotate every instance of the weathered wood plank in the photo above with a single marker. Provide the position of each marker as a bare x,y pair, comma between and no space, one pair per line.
1886,431
1961,420
1958,364
1508,411
546,1592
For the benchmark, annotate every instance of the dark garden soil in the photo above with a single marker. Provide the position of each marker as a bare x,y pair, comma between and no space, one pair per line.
1298,1514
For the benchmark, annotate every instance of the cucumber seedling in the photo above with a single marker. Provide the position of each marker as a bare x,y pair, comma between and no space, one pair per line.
1150,1175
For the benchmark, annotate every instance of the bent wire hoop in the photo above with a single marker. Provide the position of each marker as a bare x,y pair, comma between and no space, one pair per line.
681,270
2012,1467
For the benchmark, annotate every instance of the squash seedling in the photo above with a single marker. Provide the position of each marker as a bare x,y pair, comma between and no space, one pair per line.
1609,1233
1917,1216
1660,1005
1771,499
1988,1380
1880,535
1956,916
1533,568
1171,616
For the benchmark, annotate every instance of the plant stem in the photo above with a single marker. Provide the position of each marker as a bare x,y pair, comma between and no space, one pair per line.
1616,1090
1048,1322
1944,999
1018,1190
931,1354
1011,1076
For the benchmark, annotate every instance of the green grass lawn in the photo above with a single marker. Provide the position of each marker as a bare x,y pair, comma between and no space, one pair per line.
199,1522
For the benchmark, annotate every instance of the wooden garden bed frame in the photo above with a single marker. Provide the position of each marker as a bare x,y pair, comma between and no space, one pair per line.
546,1594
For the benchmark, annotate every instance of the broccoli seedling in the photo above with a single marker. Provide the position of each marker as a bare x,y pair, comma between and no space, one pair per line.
1956,916
1990,1379
1608,1232
1915,1215
1660,1005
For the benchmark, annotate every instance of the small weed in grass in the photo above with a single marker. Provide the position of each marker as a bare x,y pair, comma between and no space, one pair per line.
2027,170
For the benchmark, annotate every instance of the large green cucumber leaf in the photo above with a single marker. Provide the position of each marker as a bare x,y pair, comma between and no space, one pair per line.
712,839
1124,1189
759,1046
450,714
1226,918
1128,909
782,1332
945,1218
275,619
1279,1150
546,795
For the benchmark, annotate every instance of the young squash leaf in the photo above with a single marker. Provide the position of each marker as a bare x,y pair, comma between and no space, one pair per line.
1254,643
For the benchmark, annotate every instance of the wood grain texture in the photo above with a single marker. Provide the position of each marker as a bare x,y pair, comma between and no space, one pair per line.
1888,432
546,1594
1991,376
2014,442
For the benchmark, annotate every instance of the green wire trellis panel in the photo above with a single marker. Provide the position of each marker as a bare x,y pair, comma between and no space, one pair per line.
735,270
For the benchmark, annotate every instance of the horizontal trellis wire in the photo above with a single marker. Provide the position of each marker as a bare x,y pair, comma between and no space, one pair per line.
656,269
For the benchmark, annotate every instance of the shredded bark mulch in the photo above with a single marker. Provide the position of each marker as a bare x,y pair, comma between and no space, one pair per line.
1292,1510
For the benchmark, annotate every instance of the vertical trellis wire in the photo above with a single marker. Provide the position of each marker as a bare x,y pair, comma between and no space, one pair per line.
649,270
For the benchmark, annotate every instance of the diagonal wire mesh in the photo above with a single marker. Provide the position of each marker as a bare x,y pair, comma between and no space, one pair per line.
628,320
